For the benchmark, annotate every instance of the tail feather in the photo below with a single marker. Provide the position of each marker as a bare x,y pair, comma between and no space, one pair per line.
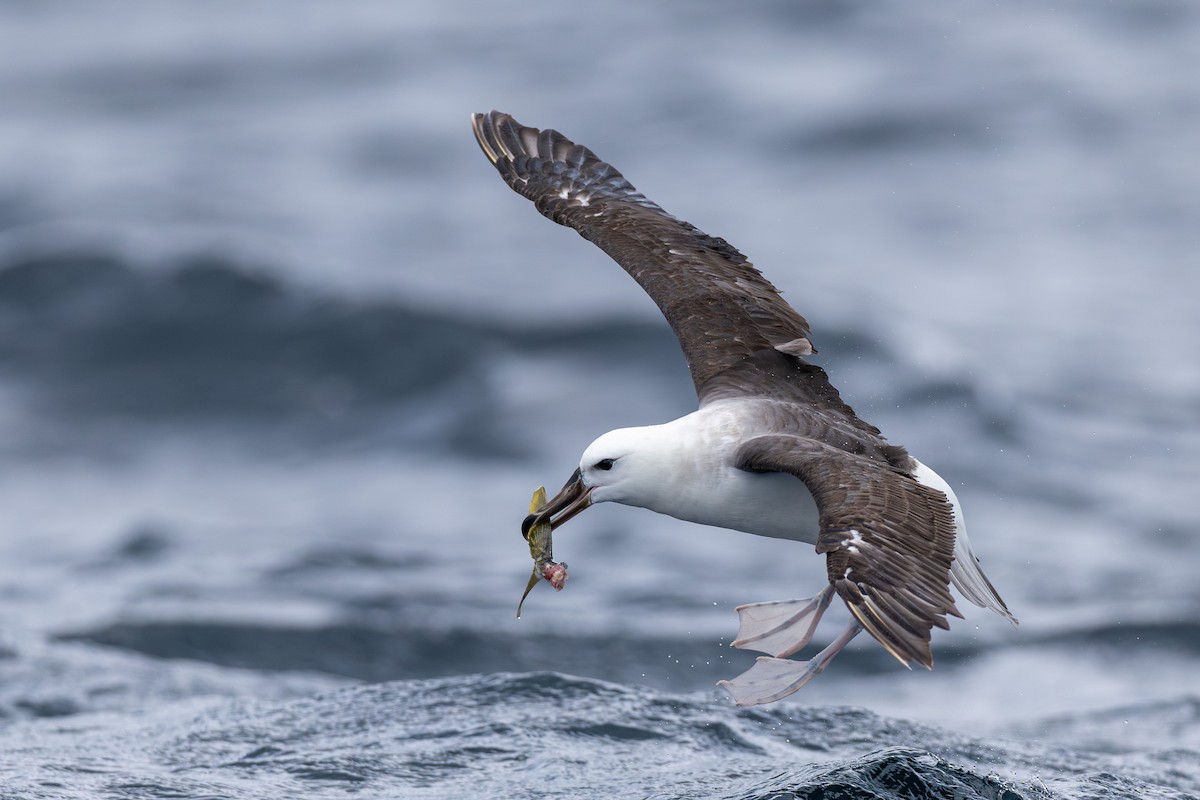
965,571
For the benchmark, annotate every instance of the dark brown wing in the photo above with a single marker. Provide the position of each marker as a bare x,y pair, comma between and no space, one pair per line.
889,540
720,306
798,399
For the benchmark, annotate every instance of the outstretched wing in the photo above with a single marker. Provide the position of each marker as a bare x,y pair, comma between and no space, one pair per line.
721,308
888,539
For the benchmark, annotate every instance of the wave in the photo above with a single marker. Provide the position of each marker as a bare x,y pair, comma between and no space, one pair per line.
380,652
210,335
519,735
87,334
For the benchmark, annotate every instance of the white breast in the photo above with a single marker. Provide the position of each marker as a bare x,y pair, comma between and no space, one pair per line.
699,483
766,504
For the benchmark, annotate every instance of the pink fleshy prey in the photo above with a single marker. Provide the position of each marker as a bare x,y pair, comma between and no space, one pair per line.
556,574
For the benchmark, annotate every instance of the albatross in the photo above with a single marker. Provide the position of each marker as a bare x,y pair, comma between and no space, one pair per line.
771,450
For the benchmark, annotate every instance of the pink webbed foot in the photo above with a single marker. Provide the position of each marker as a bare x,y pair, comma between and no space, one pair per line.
772,679
782,627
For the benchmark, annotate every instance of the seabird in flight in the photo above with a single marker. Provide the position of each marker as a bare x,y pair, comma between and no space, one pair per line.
772,449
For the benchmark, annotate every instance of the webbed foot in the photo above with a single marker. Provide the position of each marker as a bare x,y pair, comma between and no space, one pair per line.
781,627
772,679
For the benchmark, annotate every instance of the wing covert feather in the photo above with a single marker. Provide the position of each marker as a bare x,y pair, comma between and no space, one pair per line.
888,540
721,308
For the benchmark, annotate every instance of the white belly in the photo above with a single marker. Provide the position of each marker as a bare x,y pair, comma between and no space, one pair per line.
770,504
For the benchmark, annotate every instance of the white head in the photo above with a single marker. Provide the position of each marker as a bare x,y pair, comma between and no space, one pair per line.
622,466
618,466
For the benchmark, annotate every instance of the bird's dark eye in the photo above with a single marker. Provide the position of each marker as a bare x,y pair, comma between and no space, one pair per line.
606,464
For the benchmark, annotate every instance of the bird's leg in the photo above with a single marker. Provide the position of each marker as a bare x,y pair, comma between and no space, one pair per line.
781,627
772,679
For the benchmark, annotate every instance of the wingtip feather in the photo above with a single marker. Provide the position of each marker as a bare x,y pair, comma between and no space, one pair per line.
483,125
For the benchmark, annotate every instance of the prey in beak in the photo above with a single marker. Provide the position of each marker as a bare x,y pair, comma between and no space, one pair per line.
570,500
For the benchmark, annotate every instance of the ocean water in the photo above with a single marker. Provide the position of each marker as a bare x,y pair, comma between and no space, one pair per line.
281,360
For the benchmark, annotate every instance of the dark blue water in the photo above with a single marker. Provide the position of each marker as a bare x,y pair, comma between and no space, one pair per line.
281,360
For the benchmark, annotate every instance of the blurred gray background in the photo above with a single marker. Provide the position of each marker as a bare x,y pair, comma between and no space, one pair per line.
281,358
